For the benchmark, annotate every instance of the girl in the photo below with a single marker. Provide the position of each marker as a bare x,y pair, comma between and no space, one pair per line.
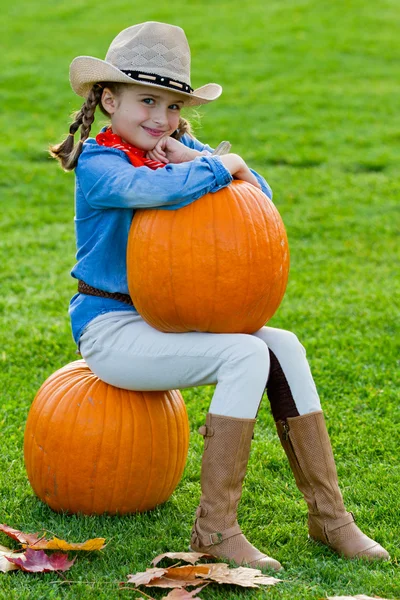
148,158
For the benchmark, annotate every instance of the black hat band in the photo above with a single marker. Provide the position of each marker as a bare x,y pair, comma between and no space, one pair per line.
151,78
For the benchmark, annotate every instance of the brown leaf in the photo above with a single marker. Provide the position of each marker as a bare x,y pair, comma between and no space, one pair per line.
178,577
56,544
145,577
189,573
175,577
190,557
243,576
6,565
20,536
164,582
182,594
36,561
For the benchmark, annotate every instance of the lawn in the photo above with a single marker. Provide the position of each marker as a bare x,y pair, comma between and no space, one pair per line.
311,100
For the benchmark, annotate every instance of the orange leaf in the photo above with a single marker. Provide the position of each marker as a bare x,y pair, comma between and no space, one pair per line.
164,582
174,577
188,573
190,557
56,544
32,541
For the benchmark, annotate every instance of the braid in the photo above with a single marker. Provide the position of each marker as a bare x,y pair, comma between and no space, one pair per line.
67,152
183,127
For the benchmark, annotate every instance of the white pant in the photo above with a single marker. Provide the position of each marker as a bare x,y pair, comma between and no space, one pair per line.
123,350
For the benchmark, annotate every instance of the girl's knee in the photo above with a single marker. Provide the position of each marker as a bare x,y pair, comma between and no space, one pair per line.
247,365
281,341
251,356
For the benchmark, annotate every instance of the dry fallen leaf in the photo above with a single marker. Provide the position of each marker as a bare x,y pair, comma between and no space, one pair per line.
33,541
243,576
178,577
190,557
6,565
20,536
56,544
190,573
144,577
182,594
173,577
37,561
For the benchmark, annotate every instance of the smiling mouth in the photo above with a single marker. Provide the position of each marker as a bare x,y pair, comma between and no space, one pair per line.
154,132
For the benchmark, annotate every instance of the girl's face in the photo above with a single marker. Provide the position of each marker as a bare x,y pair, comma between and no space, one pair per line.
141,115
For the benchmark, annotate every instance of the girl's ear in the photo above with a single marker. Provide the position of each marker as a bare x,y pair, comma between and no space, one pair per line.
108,101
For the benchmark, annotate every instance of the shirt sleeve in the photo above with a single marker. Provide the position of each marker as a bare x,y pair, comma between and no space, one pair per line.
108,180
197,145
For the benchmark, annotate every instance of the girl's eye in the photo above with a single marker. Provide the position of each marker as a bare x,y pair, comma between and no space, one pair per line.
148,100
174,107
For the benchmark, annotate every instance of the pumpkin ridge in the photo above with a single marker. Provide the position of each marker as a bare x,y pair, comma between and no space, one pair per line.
177,466
162,318
242,206
39,483
259,206
166,451
217,274
277,223
169,483
195,295
267,300
129,458
171,240
58,400
118,447
144,495
95,475
285,260
145,265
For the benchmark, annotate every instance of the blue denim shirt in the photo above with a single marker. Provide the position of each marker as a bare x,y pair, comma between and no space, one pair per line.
108,189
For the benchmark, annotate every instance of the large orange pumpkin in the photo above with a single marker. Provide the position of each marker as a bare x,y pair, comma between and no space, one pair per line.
94,448
219,264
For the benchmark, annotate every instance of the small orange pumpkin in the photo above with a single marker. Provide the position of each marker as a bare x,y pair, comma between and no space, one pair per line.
220,264
93,448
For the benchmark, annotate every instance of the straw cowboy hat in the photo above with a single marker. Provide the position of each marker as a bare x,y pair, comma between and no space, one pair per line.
150,53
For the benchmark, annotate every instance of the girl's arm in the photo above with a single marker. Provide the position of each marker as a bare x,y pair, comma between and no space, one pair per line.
168,150
197,145
107,180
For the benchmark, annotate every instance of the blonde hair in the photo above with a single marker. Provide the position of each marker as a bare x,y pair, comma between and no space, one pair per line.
67,152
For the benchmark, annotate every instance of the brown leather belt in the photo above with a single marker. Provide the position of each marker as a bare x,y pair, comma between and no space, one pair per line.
84,288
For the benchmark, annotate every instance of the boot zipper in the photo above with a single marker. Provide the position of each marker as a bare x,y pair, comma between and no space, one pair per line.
285,427
292,452
286,437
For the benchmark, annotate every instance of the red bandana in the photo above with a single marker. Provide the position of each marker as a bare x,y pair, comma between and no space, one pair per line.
135,155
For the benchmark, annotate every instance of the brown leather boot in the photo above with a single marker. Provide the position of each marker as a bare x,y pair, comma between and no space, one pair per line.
306,442
227,442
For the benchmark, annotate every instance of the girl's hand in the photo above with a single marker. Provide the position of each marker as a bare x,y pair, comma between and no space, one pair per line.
170,150
238,169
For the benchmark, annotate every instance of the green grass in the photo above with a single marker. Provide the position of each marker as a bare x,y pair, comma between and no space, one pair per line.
311,99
